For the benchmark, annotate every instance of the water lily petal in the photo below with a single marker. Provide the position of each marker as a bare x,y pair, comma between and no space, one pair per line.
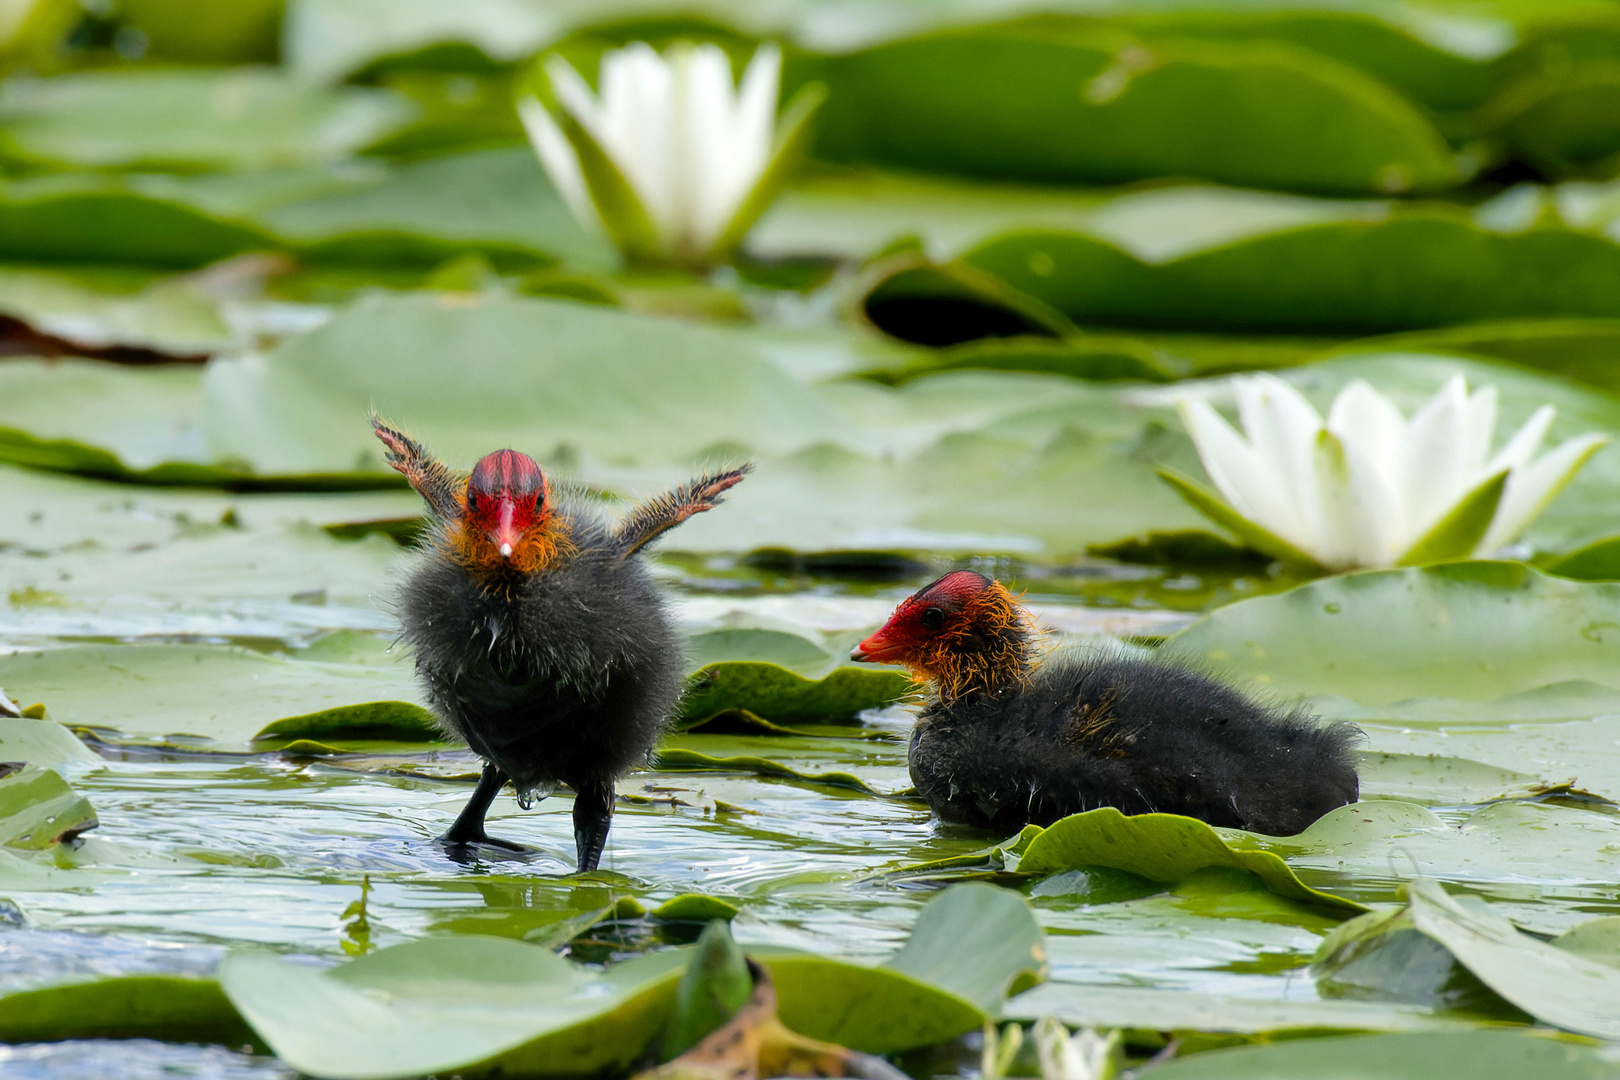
1253,535
1246,481
1531,489
706,138
1369,421
1518,450
637,104
1282,427
1457,534
1436,444
1359,525
558,158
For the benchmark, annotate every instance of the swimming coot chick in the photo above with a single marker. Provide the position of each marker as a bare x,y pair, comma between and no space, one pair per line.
540,639
1007,738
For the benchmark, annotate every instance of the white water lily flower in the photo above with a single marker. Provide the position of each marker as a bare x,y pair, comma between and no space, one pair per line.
670,160
1369,487
1084,1056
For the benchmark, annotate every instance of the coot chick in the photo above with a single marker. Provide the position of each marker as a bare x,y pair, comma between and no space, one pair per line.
1006,738
540,639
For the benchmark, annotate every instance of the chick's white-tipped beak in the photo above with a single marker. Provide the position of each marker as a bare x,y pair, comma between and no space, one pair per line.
506,550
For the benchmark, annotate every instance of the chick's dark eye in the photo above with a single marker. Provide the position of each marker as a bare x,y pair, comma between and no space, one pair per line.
933,618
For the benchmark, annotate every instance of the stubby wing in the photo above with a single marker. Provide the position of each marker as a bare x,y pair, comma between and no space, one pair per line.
427,474
656,516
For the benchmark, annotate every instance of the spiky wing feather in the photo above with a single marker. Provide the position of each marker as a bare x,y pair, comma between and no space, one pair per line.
431,478
651,519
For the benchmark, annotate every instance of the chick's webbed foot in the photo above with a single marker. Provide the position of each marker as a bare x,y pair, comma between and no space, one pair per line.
469,825
593,816
656,516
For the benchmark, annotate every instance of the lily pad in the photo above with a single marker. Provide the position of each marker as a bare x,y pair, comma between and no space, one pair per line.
695,906
980,942
1488,1055
400,721
1379,270
680,759
1556,986
41,742
238,118
1501,844
1003,102
1160,847
220,696
129,1007
782,696
39,809
1471,631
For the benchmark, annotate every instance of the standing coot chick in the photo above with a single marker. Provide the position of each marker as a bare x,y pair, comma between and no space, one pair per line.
1005,739
539,637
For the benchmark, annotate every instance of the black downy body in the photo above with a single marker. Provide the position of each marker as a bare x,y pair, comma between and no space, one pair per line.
566,676
1137,734
539,636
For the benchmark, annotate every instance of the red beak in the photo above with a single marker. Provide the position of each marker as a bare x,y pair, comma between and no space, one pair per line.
506,532
878,649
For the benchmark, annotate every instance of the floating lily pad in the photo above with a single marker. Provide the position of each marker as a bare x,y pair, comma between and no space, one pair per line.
1004,102
1556,986
695,906
41,742
951,945
130,1007
1424,266
1471,631
189,119
1160,847
1501,843
782,696
1488,1055
680,759
400,721
39,809
219,696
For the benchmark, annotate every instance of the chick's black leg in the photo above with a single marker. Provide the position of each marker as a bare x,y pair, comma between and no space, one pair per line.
469,826
593,815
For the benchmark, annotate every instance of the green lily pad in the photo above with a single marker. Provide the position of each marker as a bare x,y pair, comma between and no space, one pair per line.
1471,631
1178,1009
1160,847
477,1005
1501,843
39,809
168,1007
1372,270
1003,102
399,721
1556,986
41,742
695,907
464,1003
680,759
948,945
781,696
599,367
189,119
1597,561
221,696
1488,1055
1596,939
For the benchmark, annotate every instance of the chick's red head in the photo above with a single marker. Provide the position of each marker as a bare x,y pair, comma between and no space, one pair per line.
928,620
506,495
508,524
963,632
